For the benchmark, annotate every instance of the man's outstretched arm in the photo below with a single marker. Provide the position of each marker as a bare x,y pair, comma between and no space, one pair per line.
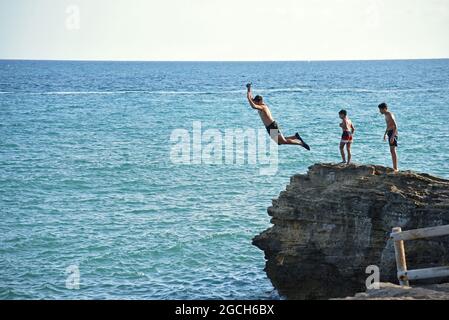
249,96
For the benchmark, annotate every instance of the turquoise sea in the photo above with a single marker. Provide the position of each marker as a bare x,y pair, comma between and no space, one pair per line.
86,178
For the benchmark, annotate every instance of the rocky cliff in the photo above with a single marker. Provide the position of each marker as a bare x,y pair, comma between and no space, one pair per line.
334,221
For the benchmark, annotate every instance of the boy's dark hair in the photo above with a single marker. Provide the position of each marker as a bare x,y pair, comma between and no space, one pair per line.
383,105
258,98
343,112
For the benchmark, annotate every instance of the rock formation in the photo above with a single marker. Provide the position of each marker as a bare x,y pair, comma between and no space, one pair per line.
334,221
389,291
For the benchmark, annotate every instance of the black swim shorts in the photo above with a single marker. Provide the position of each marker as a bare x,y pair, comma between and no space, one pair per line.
395,139
273,126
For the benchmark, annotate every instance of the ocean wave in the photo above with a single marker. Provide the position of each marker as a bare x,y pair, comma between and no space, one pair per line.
352,90
270,90
117,92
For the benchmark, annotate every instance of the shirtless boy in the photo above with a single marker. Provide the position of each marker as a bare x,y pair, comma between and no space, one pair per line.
391,132
346,139
269,123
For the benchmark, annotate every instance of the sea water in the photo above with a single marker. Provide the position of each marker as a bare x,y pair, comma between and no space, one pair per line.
93,206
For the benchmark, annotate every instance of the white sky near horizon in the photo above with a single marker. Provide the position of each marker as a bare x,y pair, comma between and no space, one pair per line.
224,29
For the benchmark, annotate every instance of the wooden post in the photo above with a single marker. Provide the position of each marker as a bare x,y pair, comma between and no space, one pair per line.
427,273
401,263
422,233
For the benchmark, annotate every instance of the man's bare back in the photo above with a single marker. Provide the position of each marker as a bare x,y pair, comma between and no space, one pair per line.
346,124
265,115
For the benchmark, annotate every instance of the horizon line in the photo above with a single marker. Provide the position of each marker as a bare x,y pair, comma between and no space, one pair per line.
236,61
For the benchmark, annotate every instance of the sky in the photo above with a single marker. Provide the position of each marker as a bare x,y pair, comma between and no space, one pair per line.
243,30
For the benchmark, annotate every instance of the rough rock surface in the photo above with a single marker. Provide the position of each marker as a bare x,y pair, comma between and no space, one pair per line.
334,221
389,291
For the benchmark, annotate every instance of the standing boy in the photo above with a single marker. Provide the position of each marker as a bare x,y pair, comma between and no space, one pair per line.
391,132
347,136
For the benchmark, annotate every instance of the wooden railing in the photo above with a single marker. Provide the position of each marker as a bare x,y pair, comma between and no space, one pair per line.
399,236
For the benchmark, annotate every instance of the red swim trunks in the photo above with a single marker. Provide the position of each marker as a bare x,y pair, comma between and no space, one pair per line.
346,137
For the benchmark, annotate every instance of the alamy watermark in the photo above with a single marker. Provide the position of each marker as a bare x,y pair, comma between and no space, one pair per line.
72,281
373,14
372,281
227,147
73,18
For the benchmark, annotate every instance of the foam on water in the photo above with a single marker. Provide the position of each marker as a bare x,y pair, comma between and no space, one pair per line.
262,90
